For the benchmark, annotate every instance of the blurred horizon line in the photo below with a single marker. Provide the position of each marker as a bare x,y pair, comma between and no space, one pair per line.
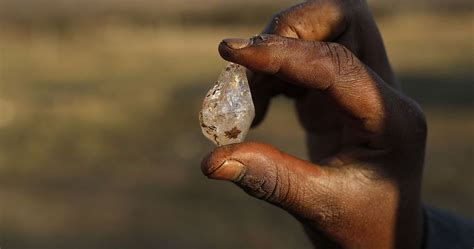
44,13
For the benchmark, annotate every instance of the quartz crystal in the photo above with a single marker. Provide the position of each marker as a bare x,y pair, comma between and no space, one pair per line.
228,111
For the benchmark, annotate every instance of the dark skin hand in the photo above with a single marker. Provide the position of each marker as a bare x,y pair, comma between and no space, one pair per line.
365,137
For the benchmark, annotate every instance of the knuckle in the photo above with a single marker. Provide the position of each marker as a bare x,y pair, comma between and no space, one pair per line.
281,25
322,206
288,193
279,20
408,127
262,187
345,64
353,10
274,186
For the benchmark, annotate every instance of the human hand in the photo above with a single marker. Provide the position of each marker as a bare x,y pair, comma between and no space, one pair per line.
366,138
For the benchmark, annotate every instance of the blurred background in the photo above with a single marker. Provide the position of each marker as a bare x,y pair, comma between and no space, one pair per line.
100,145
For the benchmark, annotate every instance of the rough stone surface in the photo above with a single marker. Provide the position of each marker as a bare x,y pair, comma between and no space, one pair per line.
228,111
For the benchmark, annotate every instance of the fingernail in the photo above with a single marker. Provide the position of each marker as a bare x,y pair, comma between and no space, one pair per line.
230,170
236,43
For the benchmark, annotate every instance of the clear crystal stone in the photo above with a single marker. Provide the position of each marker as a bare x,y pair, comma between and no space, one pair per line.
228,110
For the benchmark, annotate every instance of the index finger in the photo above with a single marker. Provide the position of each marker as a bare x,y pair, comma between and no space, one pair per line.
328,67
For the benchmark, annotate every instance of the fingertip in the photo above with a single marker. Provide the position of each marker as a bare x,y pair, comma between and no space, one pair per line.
215,161
217,165
262,53
229,170
230,46
225,51
236,43
233,45
206,164
230,161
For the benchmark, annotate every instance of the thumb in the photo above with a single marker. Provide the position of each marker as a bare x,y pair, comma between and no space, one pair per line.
264,172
